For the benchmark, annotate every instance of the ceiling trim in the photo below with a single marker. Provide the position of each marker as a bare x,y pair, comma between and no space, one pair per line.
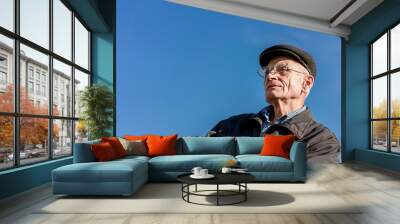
347,12
269,15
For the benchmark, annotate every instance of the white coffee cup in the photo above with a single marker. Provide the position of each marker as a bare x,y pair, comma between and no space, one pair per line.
196,170
203,172
226,170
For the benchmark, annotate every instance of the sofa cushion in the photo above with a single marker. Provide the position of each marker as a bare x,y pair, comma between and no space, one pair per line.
83,152
185,163
207,145
111,171
249,145
257,163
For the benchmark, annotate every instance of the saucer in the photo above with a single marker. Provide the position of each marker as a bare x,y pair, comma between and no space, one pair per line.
208,176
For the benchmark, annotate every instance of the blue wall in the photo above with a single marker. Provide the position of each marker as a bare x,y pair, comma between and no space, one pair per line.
182,69
103,60
356,120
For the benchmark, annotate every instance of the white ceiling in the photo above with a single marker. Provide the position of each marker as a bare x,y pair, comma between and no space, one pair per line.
327,16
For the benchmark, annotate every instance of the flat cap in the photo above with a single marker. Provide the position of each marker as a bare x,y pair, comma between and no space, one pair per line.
298,54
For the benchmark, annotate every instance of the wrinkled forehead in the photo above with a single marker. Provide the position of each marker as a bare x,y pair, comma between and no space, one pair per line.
284,60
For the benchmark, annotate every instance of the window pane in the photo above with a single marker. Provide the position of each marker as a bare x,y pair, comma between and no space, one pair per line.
379,98
379,55
6,74
395,94
81,81
395,47
35,21
379,135
81,131
7,14
6,142
395,136
62,89
34,79
33,139
62,138
81,45
62,29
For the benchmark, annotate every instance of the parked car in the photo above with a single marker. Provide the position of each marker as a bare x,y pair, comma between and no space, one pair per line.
22,155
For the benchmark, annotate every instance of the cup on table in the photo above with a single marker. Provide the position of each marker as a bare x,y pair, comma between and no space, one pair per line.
226,170
196,171
203,172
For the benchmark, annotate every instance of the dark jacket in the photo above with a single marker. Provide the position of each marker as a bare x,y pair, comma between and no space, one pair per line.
322,145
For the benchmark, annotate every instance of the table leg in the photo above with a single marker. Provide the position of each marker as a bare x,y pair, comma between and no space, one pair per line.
188,189
217,194
196,188
245,193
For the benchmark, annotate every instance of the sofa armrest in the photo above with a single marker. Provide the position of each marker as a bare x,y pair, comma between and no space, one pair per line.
83,152
298,155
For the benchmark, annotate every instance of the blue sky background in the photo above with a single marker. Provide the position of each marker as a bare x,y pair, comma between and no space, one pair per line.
182,69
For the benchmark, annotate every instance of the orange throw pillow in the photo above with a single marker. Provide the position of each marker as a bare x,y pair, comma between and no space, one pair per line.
135,138
277,145
161,145
116,145
103,151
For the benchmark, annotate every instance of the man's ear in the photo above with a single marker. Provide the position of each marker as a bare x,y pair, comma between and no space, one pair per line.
308,84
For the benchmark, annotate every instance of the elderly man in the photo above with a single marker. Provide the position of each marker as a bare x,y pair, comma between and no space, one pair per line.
289,75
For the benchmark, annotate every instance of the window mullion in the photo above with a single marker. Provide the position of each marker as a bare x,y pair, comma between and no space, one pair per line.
389,106
73,82
50,81
16,84
371,89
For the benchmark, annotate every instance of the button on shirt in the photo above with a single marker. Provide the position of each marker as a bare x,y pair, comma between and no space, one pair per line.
269,109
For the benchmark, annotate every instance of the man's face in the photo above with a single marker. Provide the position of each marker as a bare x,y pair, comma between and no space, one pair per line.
286,85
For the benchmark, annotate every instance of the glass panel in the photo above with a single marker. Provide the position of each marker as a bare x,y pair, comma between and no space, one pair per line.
81,45
395,47
395,94
7,14
81,81
62,89
379,98
35,21
379,135
81,131
34,81
33,139
6,74
395,135
62,138
379,55
6,142
62,29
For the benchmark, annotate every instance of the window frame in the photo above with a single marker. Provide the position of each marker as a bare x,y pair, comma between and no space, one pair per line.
388,74
16,114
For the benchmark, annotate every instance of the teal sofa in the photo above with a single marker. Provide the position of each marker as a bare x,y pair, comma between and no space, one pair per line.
125,176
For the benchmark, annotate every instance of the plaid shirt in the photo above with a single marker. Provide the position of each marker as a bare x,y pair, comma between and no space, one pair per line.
266,111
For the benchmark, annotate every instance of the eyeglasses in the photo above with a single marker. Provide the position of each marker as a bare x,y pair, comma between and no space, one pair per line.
283,70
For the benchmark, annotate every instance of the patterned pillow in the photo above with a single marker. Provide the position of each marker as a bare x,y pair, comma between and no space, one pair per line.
135,147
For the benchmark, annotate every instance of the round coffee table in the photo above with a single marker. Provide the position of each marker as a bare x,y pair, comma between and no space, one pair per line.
238,179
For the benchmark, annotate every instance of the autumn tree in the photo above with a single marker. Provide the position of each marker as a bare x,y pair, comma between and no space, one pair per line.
33,131
380,127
